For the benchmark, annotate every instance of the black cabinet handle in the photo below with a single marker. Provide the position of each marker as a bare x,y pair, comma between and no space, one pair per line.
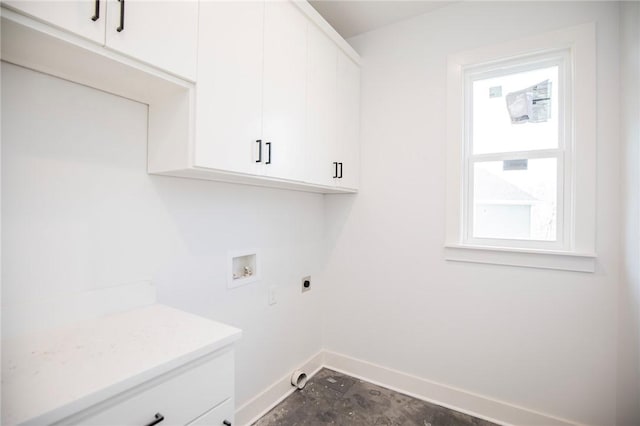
158,418
259,142
335,169
96,14
340,177
226,423
269,150
121,27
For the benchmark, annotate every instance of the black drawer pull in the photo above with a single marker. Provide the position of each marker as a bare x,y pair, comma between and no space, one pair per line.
335,169
226,423
121,27
340,177
259,142
96,14
269,150
158,418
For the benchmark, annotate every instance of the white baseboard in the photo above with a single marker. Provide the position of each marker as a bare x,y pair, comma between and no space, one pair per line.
259,405
446,396
476,405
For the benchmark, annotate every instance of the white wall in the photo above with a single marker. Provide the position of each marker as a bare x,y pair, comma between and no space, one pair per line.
629,295
79,212
541,339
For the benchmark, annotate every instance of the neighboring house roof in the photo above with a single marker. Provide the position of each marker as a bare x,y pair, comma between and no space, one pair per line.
496,188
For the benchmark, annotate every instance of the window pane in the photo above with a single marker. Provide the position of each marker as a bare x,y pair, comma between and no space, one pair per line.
515,112
515,199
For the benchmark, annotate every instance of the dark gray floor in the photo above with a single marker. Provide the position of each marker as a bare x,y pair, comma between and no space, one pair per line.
334,398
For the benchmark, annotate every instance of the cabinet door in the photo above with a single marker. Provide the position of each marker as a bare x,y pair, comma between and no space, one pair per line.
78,17
321,133
284,80
348,110
229,88
160,33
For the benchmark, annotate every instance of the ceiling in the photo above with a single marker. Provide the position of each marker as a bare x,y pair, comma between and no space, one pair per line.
353,17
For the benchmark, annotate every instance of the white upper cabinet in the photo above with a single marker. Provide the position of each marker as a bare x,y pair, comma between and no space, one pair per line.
84,18
284,89
276,100
348,122
333,114
321,131
229,89
161,33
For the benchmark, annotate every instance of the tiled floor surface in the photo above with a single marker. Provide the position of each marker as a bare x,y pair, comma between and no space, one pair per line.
334,398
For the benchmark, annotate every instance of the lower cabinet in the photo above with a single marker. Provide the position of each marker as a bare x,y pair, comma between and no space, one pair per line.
197,393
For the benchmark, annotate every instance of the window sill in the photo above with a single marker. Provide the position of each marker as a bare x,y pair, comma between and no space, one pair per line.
528,258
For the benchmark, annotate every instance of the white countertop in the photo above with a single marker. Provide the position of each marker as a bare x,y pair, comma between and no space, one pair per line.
50,375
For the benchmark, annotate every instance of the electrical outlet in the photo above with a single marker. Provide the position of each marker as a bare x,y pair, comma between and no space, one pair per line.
306,283
273,293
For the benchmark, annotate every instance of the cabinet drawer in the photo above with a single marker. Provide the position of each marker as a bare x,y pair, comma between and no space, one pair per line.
180,396
216,416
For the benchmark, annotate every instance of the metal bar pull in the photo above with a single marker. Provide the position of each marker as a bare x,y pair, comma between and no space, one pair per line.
259,142
269,150
158,418
96,13
121,27
335,169
226,423
340,177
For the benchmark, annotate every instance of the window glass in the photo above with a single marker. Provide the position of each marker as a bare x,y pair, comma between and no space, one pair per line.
515,199
516,112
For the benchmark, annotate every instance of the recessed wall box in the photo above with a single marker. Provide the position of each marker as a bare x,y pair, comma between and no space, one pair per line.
244,268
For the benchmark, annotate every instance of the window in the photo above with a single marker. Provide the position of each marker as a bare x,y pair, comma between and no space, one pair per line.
521,152
517,153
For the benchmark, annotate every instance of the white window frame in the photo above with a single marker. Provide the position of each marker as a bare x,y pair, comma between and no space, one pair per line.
563,153
574,50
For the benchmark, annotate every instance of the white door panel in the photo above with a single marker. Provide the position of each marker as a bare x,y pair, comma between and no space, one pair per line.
78,17
348,108
160,33
229,88
284,111
321,141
